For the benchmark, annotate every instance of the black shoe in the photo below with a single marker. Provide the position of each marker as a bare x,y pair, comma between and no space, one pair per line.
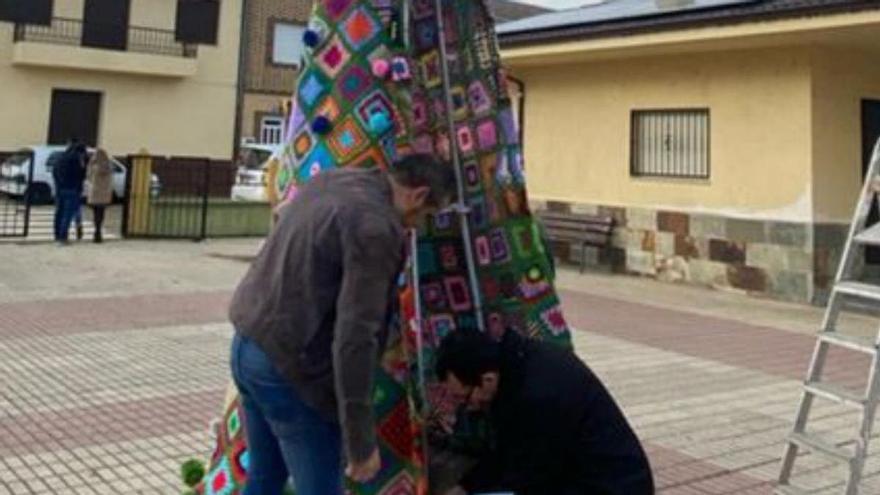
98,239
79,232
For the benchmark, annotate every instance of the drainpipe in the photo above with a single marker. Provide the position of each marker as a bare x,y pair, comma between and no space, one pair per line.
239,85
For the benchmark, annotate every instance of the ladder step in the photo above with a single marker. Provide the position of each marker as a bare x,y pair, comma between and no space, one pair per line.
818,445
859,289
861,344
869,236
836,394
789,490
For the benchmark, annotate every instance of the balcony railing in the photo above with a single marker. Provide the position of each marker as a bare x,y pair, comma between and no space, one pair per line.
64,31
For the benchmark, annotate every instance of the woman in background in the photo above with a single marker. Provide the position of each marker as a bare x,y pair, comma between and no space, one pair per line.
99,175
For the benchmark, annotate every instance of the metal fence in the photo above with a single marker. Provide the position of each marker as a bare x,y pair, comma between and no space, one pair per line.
188,198
66,31
16,176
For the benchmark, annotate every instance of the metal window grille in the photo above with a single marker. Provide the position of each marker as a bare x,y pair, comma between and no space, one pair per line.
670,143
271,130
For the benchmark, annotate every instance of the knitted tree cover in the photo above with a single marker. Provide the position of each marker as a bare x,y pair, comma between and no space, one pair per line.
372,89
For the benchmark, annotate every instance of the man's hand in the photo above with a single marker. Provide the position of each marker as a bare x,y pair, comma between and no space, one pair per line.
366,470
457,491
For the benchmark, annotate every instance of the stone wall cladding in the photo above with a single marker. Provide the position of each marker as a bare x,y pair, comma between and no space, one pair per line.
784,260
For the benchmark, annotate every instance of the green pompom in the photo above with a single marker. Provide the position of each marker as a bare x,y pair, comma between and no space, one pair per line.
190,492
192,472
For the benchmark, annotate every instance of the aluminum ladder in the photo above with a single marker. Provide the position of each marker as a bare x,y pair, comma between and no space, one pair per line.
846,290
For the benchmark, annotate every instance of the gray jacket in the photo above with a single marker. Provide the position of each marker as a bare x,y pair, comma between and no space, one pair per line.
316,298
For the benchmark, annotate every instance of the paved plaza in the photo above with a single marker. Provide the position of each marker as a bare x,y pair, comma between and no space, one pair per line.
113,362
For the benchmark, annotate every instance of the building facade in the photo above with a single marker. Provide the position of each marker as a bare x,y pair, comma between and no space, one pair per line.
273,37
112,73
728,144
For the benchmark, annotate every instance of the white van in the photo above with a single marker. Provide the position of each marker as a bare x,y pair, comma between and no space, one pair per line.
14,172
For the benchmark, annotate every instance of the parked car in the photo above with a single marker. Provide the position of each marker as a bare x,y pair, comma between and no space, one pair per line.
14,172
251,177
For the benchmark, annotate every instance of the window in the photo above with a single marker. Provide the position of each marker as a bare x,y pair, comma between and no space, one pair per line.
197,21
271,130
287,45
670,143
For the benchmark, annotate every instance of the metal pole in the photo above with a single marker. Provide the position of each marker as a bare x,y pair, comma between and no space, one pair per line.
461,207
420,343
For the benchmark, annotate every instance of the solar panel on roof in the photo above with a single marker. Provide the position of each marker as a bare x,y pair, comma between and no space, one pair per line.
614,10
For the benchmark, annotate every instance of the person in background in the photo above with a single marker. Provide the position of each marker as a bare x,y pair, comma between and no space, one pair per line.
310,318
99,177
556,428
68,175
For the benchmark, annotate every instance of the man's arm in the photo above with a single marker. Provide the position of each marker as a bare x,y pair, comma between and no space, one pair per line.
371,259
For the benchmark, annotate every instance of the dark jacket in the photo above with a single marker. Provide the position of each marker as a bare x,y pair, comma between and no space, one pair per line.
69,171
316,298
557,430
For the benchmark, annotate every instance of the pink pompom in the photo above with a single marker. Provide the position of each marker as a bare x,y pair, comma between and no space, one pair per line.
381,68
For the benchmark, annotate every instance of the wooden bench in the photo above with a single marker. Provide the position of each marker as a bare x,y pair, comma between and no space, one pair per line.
585,230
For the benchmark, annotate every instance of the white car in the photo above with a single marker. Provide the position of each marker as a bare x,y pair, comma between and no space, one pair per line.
250,178
14,172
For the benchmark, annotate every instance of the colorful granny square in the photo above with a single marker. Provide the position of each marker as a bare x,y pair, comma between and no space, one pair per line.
318,161
302,144
400,69
431,71
487,134
347,140
375,102
499,245
554,320
433,296
472,175
441,325
220,480
420,117
458,294
478,212
523,240
459,103
336,8
448,257
443,221
483,250
353,83
465,139
478,98
311,89
332,59
426,34
360,28
394,430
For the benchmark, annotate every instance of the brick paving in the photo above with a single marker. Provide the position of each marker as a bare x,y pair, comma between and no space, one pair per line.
110,394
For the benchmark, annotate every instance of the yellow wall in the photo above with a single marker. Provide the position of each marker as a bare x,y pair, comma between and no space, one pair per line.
578,131
841,79
173,115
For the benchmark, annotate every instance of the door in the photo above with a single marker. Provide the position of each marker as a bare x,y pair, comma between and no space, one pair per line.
870,134
105,24
74,115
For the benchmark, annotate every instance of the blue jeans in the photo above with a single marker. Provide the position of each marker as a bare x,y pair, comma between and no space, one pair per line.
286,438
67,204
